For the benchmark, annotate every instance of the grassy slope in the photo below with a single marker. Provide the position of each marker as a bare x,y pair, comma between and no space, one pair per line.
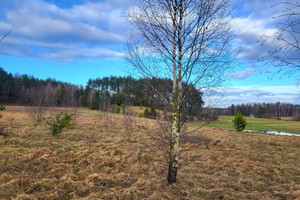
136,109
260,124
97,161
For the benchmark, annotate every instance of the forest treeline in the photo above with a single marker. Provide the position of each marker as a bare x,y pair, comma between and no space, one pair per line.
27,90
100,93
104,93
264,110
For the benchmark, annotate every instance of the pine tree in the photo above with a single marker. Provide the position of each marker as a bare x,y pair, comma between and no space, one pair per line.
61,123
239,122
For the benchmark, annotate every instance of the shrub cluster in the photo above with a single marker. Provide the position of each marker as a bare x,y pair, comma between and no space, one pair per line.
150,114
119,109
209,116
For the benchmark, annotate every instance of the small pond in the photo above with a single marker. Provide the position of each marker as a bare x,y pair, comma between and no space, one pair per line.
274,132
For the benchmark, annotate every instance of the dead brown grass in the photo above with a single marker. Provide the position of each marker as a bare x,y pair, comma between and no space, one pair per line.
94,161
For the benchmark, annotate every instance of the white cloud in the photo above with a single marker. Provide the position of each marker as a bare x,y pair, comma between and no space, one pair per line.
258,94
88,53
247,73
253,21
44,30
102,24
263,9
249,34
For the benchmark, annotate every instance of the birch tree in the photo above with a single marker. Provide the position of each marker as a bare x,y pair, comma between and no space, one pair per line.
186,41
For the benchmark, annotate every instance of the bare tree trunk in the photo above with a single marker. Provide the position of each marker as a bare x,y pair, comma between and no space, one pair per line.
177,99
173,162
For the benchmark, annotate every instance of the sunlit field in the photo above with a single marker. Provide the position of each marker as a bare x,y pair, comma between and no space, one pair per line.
98,158
284,125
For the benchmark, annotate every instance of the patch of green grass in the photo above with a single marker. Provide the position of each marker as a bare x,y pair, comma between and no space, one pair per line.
89,111
137,108
114,115
259,124
97,112
287,118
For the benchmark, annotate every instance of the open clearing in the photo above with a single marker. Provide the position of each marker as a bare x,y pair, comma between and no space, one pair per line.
260,124
94,160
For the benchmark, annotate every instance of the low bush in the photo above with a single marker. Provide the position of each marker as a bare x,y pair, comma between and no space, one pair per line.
141,113
61,123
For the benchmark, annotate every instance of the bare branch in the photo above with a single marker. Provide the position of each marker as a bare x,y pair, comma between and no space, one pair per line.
286,41
7,33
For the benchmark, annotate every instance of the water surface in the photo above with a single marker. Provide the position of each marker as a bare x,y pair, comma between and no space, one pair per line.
273,132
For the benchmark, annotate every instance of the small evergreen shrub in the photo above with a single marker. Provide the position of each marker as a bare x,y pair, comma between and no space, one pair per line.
239,122
61,123
1,125
146,113
2,107
152,113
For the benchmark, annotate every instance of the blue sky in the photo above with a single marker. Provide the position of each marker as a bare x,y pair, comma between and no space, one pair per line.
76,40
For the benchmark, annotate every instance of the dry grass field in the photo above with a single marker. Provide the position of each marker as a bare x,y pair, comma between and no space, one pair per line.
96,159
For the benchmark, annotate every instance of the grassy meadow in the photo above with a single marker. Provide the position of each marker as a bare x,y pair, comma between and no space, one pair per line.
260,124
104,157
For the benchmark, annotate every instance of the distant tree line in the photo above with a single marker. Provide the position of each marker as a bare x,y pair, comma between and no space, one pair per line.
103,93
27,90
140,92
263,110
100,93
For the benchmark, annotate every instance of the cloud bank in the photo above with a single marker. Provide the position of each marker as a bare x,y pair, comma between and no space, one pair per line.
49,30
65,31
252,94
45,31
